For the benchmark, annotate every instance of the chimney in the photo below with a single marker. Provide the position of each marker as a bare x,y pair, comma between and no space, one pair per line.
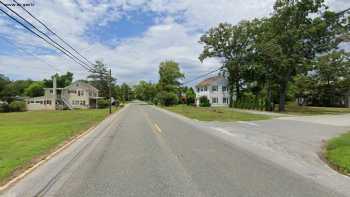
54,91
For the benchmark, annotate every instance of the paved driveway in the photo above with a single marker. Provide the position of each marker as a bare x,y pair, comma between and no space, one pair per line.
292,142
334,120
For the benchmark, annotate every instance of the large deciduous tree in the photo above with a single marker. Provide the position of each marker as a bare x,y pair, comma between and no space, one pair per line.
300,32
169,76
231,44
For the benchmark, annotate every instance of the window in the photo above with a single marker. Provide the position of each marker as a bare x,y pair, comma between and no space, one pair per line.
205,88
82,102
214,88
80,92
224,88
198,89
225,100
214,100
51,91
49,102
72,91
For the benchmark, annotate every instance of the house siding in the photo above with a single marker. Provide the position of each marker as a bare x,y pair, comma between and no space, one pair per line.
217,92
78,94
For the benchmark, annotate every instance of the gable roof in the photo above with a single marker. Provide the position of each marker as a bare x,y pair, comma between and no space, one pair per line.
80,84
211,80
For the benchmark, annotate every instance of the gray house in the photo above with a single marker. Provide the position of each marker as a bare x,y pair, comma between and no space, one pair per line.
79,95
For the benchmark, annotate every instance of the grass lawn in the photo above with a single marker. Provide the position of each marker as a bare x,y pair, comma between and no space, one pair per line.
27,136
338,153
215,113
294,109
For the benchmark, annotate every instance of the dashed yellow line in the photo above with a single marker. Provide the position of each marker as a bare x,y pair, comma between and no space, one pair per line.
157,128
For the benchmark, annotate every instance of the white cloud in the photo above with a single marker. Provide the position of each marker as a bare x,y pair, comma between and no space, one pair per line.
174,37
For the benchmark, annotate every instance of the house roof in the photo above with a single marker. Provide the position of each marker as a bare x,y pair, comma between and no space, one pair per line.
80,84
211,80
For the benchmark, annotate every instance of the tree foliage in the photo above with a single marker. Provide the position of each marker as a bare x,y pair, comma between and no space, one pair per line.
169,76
269,52
35,89
61,80
100,79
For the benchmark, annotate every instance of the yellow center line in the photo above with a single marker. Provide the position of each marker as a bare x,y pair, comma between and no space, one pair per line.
157,128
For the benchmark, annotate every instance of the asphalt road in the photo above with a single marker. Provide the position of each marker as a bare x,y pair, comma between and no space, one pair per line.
147,152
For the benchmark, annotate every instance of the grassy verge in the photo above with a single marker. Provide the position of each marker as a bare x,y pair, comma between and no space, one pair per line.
215,113
294,109
28,136
338,153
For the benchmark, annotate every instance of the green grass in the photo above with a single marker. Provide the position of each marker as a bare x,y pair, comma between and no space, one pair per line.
338,153
27,136
215,113
294,109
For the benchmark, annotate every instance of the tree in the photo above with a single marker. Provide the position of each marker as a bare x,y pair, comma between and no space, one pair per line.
167,98
35,89
61,80
327,81
126,92
230,43
145,91
299,32
3,81
100,79
169,74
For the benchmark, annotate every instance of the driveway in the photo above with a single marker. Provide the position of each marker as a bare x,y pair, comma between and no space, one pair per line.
294,142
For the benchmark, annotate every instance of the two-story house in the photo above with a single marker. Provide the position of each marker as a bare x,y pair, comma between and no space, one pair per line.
78,95
215,89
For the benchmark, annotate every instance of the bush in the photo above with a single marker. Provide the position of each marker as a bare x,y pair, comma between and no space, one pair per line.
17,106
204,102
102,103
4,107
168,98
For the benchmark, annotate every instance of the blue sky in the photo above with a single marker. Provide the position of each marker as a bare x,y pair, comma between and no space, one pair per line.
130,36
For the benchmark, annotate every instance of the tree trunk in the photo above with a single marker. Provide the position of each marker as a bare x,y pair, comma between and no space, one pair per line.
238,92
231,95
282,99
269,106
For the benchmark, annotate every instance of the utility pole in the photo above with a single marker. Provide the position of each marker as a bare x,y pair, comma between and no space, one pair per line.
110,91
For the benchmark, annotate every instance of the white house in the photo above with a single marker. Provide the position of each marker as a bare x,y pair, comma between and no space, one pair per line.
215,89
79,95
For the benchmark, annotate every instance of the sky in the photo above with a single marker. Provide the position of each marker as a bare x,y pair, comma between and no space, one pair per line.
130,36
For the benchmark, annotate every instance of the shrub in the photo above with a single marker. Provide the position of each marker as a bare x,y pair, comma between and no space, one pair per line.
204,101
17,106
168,98
4,107
102,103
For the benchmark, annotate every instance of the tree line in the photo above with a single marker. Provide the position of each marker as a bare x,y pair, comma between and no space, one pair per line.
169,90
293,53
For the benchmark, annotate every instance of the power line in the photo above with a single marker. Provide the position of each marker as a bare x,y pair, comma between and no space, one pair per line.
343,12
204,75
59,37
44,39
31,54
60,48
